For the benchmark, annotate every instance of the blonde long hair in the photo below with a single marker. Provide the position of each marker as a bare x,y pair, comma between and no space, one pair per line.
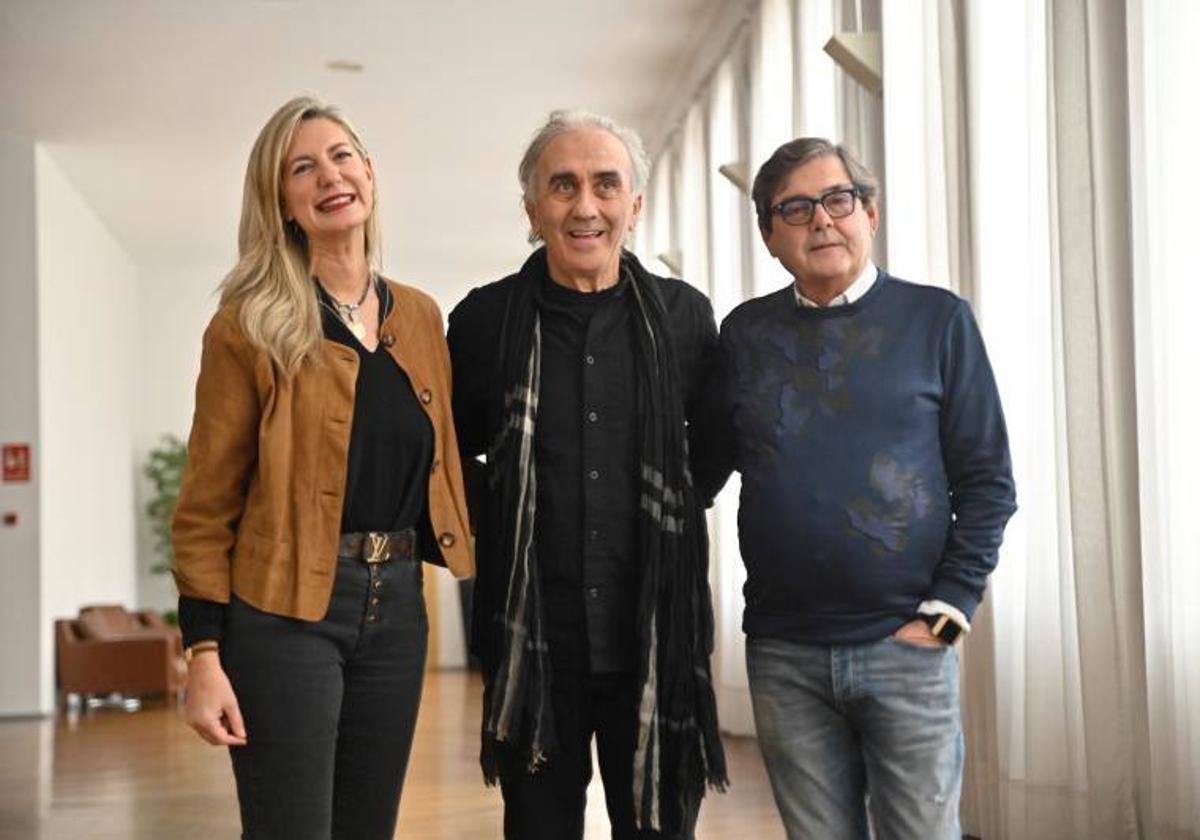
278,309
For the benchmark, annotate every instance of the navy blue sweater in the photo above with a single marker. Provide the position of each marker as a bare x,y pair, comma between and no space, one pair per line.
874,459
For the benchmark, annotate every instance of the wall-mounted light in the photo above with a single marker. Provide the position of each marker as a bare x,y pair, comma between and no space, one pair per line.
738,174
673,260
861,55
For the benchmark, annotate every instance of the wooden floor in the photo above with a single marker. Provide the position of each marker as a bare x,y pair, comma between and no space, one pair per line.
145,776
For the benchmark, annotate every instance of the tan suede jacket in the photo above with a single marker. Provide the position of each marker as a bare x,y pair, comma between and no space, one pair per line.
261,502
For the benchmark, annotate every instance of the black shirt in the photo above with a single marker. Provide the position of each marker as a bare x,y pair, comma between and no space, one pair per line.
387,474
585,451
391,438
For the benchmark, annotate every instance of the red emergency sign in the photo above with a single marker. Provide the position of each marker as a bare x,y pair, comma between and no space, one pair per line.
16,462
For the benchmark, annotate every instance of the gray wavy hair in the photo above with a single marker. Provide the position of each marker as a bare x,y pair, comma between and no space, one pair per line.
571,119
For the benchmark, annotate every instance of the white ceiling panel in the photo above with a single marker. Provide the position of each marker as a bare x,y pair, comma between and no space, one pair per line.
150,106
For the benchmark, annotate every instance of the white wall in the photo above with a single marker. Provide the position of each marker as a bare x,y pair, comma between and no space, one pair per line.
182,298
88,313
21,644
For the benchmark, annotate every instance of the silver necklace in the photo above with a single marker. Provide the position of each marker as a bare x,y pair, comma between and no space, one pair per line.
349,312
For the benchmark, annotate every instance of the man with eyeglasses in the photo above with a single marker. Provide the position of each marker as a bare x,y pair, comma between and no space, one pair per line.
862,414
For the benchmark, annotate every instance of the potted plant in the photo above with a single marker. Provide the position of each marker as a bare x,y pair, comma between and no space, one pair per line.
164,467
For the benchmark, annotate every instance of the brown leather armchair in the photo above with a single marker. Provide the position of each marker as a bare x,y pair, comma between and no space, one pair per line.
109,650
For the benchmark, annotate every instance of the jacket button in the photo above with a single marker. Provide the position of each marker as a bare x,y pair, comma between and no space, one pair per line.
446,539
387,339
426,396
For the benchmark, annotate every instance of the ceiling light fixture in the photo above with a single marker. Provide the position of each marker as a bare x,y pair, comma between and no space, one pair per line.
342,66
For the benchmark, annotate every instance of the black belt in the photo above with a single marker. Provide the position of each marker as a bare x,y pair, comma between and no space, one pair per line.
379,546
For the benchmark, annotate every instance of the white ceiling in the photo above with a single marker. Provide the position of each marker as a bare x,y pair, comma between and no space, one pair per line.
150,106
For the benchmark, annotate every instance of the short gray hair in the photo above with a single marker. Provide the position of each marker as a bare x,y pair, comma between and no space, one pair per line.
572,119
791,156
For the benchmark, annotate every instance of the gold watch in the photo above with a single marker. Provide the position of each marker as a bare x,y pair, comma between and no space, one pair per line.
200,647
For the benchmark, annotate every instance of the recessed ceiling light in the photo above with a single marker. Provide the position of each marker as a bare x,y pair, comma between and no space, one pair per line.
345,66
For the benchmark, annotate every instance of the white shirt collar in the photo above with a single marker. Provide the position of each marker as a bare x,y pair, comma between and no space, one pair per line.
855,291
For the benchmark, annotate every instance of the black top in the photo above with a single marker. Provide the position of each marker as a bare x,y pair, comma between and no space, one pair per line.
585,450
391,438
387,474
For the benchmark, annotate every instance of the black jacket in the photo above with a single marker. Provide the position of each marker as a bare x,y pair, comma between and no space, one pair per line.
585,454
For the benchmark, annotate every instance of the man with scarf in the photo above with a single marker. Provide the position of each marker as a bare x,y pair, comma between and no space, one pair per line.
575,377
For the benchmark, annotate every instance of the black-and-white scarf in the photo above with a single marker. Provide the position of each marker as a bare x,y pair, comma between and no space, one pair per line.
678,747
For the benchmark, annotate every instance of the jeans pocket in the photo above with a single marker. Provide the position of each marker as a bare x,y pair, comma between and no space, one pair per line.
939,647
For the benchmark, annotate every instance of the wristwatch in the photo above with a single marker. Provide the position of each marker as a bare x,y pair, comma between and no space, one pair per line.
943,626
189,653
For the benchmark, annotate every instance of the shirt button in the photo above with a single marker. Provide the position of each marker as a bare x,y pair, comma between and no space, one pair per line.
593,592
426,396
387,339
376,585
594,474
374,602
593,416
434,466
593,535
446,539
590,359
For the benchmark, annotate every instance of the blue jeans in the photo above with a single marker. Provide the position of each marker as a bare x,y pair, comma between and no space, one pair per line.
845,729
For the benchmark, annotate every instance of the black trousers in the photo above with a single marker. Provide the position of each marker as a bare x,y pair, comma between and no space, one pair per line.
329,706
549,804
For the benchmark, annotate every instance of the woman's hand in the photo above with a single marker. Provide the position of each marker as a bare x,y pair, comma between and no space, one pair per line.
210,706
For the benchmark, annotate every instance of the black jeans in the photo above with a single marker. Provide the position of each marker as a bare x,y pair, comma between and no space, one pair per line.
549,804
329,706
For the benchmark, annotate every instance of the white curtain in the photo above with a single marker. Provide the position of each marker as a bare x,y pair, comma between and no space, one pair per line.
1163,35
692,198
1091,729
656,231
860,112
770,125
915,188
816,85
1041,163
728,226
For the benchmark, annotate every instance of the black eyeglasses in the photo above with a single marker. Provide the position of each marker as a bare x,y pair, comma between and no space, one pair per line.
798,210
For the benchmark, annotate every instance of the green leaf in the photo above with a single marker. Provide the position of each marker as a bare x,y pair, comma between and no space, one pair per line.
164,468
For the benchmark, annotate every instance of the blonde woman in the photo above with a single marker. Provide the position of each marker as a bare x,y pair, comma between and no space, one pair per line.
323,468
